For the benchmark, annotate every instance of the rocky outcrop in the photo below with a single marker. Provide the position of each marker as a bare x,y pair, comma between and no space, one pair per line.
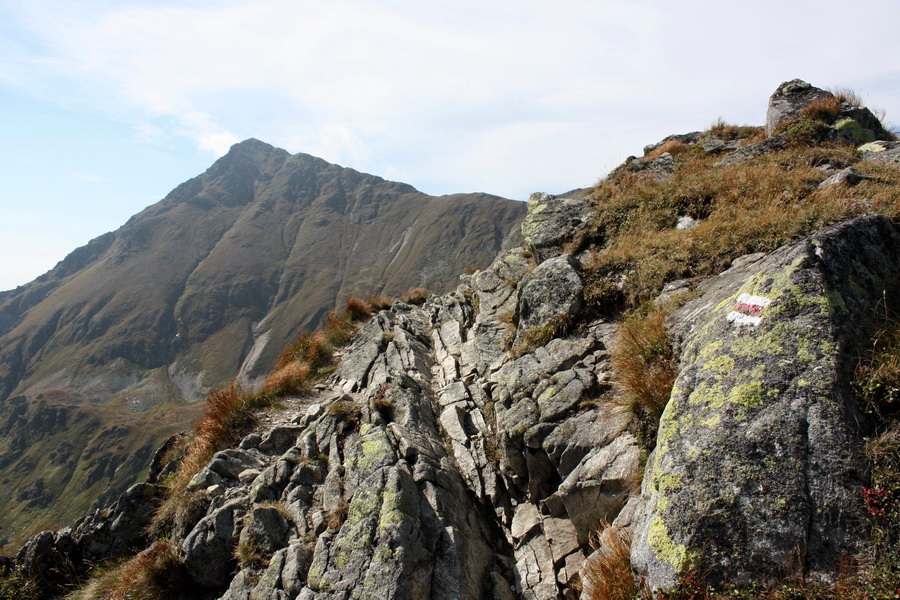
552,221
883,152
789,100
850,124
759,455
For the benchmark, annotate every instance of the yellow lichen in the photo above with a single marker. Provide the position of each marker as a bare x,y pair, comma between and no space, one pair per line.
746,394
676,555
720,364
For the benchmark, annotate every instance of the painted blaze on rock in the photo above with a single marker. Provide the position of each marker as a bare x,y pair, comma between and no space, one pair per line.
758,455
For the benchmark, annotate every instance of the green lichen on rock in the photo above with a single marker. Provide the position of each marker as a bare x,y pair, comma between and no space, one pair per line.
759,431
852,131
746,394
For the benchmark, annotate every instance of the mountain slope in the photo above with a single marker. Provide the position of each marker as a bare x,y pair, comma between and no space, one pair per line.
240,258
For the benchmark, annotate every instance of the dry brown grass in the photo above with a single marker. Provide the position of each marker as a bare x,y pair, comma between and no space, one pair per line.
727,131
337,515
379,302
749,207
606,574
673,147
357,310
847,95
154,574
293,378
416,295
823,109
229,411
644,367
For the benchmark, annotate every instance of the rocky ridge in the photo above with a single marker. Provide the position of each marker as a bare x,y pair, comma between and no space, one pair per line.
130,331
455,453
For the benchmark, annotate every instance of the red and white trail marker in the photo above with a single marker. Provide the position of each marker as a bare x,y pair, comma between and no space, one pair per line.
748,309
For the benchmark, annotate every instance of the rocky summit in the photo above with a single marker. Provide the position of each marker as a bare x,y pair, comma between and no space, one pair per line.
677,387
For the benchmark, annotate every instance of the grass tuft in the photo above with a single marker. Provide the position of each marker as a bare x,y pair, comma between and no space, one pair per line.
644,367
346,411
542,334
823,109
337,515
606,574
154,574
416,295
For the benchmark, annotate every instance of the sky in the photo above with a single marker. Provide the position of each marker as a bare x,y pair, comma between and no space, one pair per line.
107,105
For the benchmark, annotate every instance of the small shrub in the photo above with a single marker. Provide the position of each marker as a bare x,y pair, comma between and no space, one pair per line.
877,379
644,368
805,132
382,400
606,574
416,295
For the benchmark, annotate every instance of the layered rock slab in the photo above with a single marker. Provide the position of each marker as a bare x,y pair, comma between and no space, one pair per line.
759,456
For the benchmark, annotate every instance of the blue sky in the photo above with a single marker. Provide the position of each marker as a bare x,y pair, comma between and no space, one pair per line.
106,105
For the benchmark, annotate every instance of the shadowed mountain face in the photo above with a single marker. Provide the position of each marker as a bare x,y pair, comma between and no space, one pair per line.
213,280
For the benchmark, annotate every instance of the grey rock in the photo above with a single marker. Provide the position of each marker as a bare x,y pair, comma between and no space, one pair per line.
551,221
751,151
759,450
850,131
266,530
597,489
714,145
787,102
660,168
279,439
685,222
883,152
209,548
232,462
552,291
847,176
298,558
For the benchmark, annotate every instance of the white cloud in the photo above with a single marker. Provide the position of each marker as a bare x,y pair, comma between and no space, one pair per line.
507,93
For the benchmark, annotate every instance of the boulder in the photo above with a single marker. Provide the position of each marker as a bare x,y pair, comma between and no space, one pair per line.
883,152
751,151
850,131
848,177
789,100
551,221
552,291
759,452
209,548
